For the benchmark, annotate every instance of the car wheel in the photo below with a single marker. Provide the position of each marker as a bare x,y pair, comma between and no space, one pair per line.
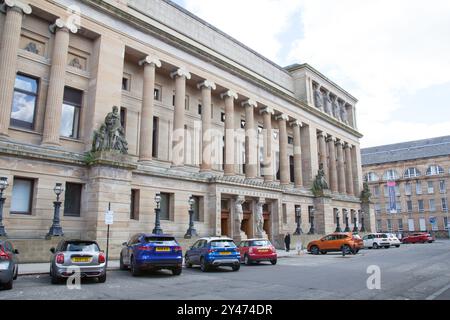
397,246
203,265
273,262
187,263
8,285
346,249
122,266
177,271
315,250
102,279
247,260
323,252
375,245
236,267
55,279
134,268
386,247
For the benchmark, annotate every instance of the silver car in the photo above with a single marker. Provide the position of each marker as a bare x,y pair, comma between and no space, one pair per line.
9,268
81,256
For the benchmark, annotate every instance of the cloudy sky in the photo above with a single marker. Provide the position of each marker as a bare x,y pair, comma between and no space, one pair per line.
394,56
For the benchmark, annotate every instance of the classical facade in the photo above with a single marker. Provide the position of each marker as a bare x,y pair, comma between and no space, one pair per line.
196,114
419,172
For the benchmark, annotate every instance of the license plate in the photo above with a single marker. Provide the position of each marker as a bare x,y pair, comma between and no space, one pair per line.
225,253
81,259
162,249
263,251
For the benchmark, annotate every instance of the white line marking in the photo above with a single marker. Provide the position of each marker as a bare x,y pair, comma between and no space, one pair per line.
438,293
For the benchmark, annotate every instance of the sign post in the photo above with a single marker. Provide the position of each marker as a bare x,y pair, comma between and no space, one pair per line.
109,220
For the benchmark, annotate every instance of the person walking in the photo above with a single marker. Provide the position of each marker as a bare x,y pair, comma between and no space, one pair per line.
287,242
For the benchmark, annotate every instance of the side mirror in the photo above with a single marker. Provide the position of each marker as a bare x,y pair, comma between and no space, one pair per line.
124,244
52,250
16,251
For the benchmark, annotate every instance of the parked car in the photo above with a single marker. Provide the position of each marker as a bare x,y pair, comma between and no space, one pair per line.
213,252
393,240
257,250
151,252
420,237
376,240
9,268
358,240
335,242
83,254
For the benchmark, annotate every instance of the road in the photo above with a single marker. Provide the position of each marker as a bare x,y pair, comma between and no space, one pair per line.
417,271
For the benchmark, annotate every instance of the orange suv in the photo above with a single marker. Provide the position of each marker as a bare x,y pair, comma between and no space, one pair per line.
336,242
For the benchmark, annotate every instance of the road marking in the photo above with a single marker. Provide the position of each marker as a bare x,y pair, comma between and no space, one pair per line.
438,293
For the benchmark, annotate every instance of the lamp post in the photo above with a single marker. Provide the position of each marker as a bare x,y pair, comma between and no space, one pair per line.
3,185
191,231
347,227
338,222
361,215
157,229
311,218
298,215
56,229
355,227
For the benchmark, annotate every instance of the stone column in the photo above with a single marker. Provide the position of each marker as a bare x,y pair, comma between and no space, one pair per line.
178,153
268,165
348,169
206,86
251,146
57,80
229,166
150,64
8,58
298,178
285,178
323,154
333,169
341,168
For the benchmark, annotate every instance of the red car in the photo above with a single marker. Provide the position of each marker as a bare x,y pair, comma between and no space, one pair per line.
421,237
257,250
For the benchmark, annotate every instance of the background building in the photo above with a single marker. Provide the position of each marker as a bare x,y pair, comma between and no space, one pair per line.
420,170
63,66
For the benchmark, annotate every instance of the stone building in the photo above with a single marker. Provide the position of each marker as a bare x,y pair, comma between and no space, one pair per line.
420,170
64,64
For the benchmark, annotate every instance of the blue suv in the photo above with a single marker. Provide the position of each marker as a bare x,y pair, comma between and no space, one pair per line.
213,252
151,252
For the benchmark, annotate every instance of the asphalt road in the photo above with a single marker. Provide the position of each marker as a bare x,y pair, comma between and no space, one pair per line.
419,271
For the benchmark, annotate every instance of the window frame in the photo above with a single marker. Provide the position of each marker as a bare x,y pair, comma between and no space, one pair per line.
71,214
80,108
31,198
134,204
16,123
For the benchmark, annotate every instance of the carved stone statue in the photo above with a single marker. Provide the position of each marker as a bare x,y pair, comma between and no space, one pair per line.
259,219
336,109
239,234
320,184
327,104
318,98
111,134
344,114
31,47
365,193
76,63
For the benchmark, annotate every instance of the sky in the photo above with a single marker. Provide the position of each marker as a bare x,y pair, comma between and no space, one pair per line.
393,56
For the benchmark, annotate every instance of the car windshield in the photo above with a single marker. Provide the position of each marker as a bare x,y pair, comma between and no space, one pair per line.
165,241
82,247
223,244
260,243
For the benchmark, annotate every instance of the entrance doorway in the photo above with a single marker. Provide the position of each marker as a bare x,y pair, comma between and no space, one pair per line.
225,218
267,221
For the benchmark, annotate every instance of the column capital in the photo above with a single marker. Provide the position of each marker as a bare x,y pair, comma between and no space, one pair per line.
339,143
268,110
261,201
321,134
296,123
207,84
331,139
229,93
347,145
151,59
282,116
180,72
11,4
61,24
250,103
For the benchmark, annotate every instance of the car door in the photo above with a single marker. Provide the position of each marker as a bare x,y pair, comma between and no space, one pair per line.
243,248
129,249
326,242
367,241
193,255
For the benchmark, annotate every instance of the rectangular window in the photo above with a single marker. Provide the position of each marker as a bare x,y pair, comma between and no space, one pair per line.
389,225
165,206
186,103
242,124
397,190
387,207
284,214
200,109
126,83
157,93
123,118
379,225
418,187
222,116
386,191
72,199
196,207
432,205
445,223
442,186
444,204
377,208
155,140
399,207
24,102
408,188
376,191
134,204
421,206
400,224
290,140
22,196
291,168
70,116
409,205
430,187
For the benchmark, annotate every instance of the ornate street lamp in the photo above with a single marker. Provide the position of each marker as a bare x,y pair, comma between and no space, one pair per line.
355,227
157,229
338,222
191,231
56,229
3,185
347,227
298,216
312,230
361,215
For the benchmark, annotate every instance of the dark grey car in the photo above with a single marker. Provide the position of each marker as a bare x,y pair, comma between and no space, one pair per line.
9,268
82,255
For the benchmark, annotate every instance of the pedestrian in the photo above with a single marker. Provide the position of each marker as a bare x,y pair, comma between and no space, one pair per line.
287,241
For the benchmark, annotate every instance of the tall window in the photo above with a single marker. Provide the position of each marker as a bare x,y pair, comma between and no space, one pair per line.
134,205
24,102
434,170
165,206
157,93
430,187
285,214
72,199
372,177
379,225
442,186
432,204
444,204
411,173
400,224
123,117
291,167
421,206
418,187
376,191
22,196
196,207
445,223
155,137
377,208
70,116
386,191
408,189
390,175
399,207
389,225
409,206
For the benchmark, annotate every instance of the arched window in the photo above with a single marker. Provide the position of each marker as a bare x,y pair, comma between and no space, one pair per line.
411,173
372,177
390,175
434,170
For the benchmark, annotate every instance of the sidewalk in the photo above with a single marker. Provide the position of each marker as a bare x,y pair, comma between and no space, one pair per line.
44,268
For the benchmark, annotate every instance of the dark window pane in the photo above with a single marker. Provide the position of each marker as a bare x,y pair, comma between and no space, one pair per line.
165,206
72,199
73,96
134,205
22,196
155,137
196,208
